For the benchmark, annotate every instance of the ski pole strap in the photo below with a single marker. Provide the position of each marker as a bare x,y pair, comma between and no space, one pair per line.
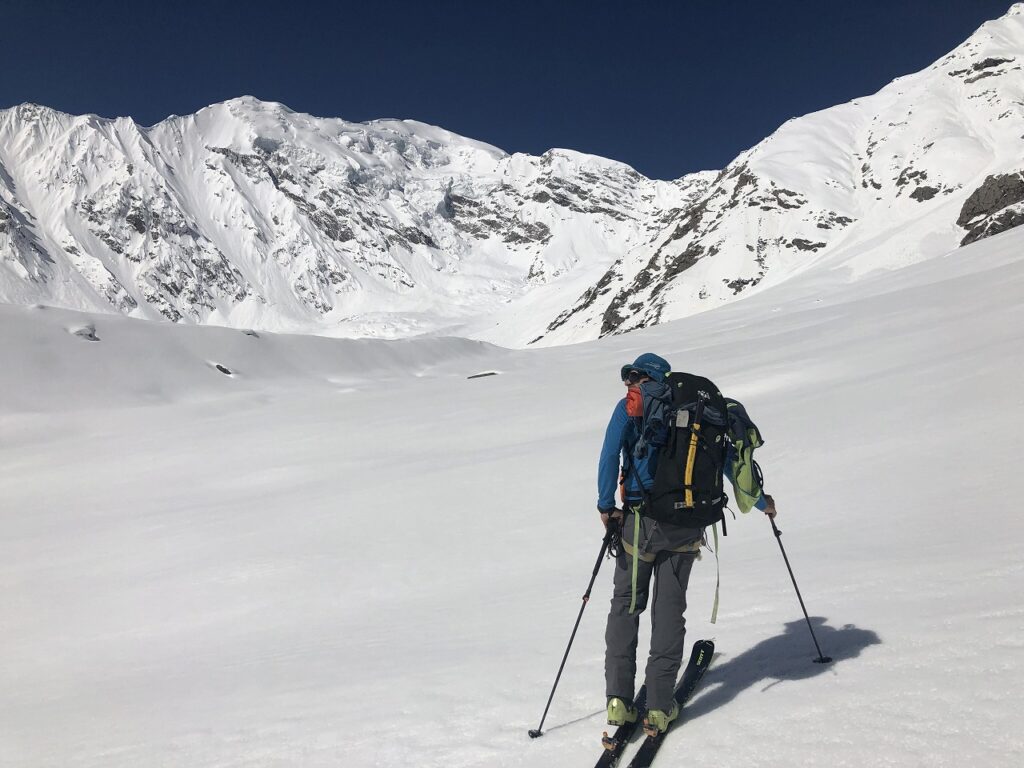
614,538
718,574
612,535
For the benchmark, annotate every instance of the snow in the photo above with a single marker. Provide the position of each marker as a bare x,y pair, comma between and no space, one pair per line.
249,214
230,547
349,553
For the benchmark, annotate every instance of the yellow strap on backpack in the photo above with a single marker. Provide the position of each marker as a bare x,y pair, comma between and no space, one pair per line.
691,458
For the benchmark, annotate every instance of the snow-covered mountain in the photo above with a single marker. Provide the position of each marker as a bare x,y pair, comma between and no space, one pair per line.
250,215
932,160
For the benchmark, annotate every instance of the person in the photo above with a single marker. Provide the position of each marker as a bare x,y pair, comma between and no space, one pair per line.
664,552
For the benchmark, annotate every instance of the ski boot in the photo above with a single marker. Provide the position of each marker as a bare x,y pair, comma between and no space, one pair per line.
620,713
657,720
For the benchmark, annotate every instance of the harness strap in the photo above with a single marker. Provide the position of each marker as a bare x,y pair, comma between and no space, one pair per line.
718,574
633,550
636,555
636,537
686,549
629,549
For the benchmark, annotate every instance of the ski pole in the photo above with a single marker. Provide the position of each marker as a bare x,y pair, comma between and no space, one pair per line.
610,534
822,659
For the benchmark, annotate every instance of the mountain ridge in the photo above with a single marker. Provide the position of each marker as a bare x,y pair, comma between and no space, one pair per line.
248,214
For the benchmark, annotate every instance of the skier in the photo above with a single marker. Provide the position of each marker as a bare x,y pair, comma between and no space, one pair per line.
662,550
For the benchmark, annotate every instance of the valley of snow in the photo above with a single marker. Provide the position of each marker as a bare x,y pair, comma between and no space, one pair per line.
349,553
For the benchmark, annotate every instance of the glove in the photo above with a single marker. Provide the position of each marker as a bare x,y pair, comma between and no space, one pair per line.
610,514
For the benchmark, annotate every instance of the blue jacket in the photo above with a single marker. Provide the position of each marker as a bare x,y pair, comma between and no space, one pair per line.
619,438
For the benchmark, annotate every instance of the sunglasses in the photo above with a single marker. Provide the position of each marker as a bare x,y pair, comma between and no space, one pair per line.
634,377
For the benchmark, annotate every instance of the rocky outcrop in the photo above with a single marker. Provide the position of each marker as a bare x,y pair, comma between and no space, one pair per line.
994,207
731,214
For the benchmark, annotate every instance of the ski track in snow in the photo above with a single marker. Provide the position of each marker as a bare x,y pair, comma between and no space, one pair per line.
348,553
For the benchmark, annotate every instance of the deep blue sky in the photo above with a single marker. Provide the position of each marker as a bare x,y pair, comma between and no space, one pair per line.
668,87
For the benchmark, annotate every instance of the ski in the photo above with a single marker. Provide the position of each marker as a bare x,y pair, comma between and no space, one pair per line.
615,744
700,659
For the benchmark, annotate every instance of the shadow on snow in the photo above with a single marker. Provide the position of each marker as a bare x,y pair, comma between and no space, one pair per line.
787,657
779,659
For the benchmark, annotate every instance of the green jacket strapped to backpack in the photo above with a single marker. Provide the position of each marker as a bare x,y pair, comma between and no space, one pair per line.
743,470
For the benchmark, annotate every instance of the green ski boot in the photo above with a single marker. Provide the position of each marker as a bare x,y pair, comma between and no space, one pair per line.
620,713
657,720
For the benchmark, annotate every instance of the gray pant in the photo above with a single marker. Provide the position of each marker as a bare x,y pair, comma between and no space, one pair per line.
671,572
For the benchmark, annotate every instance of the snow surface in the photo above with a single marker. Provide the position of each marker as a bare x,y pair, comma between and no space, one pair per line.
348,553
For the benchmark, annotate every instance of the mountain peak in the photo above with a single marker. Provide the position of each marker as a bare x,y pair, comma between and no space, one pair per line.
255,104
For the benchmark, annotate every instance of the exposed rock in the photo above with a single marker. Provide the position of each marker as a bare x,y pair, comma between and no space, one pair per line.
682,262
86,332
989,63
924,193
983,75
602,287
996,193
739,284
908,175
788,200
993,207
806,245
1000,222
527,232
613,315
831,220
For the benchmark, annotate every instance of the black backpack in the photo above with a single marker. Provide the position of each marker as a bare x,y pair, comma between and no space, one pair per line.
687,488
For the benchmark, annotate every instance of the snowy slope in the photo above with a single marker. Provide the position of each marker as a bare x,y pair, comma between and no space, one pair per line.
146,363
342,555
247,214
931,161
